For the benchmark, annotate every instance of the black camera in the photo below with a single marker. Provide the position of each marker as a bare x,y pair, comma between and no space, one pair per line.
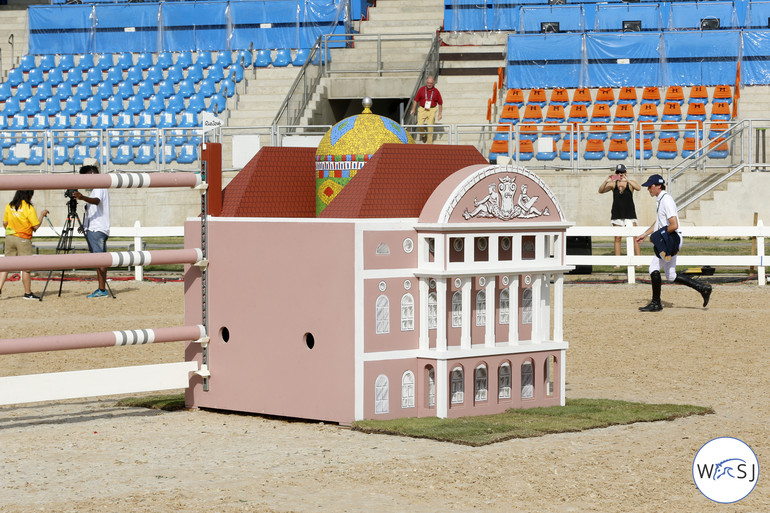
70,193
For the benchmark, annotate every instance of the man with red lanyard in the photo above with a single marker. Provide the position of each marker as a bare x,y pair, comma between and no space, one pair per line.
429,100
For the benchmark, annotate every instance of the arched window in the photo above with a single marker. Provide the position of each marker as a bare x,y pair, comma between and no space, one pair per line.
432,311
431,387
383,315
505,305
504,381
458,388
480,383
527,380
381,394
526,306
550,370
407,313
457,309
481,308
407,390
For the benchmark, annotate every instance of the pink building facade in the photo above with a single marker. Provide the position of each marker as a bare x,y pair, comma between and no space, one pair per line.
454,313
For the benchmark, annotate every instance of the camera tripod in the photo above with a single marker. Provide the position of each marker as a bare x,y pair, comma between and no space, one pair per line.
64,245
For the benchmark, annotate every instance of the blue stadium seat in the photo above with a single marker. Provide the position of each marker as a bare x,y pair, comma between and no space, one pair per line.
186,88
134,75
104,62
135,105
282,58
47,62
206,88
224,58
66,62
79,154
13,159
167,120
188,154
61,128
51,107
44,90
23,91
72,80
55,77
194,73
36,155
11,106
165,88
60,155
217,103
145,89
125,61
18,122
142,133
175,73
114,105
196,103
93,106
203,59
184,59
117,136
125,90
15,77
145,154
156,104
85,62
301,57
104,90
235,72
169,154
103,121
155,74
63,92
123,155
263,59
35,76
72,106
39,122
227,87
114,75
27,62
6,136
83,91
5,92
165,60
546,150
144,60
244,57
215,73
175,104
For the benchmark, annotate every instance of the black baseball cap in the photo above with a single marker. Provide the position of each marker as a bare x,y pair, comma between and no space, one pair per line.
654,180
620,168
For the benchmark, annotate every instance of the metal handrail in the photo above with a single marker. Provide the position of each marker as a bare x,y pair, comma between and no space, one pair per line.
284,117
430,68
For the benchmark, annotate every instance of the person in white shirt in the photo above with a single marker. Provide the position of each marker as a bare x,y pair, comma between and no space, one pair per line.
96,225
666,225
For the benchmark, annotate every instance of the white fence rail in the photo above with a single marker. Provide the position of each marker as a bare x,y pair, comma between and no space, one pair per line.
628,260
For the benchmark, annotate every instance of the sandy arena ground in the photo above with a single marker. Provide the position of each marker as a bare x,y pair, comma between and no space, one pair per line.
88,455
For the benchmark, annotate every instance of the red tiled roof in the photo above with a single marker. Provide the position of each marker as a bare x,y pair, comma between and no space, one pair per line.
277,182
399,179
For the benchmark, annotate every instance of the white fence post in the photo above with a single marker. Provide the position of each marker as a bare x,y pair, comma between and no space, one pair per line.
139,269
761,279
630,245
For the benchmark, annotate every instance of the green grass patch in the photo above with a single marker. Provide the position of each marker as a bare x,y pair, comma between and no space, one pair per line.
168,402
577,415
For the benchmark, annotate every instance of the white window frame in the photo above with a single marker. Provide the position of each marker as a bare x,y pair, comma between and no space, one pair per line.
527,380
504,381
431,387
381,393
407,312
382,315
526,306
457,309
480,383
481,308
432,311
504,312
407,390
458,386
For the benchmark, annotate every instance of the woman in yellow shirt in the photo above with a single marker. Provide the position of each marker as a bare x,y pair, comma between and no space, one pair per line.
20,221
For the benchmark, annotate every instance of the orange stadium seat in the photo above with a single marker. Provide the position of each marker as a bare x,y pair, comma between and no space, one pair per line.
672,112
605,95
515,97
651,94
689,146
533,113
594,149
624,113
717,130
618,149
646,130
510,114
597,131
675,94
720,111
600,113
526,149
528,131
552,129
569,149
647,149
577,113
723,93
648,112
718,149
698,94
627,95
667,148
555,113
582,96
696,112
669,131
536,96
559,96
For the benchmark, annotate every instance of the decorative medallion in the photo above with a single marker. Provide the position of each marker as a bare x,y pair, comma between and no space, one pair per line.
407,284
499,203
408,245
383,286
482,281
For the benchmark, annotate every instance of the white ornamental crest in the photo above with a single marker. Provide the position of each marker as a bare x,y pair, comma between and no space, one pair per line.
500,203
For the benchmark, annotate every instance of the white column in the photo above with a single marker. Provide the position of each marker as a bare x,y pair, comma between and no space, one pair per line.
513,307
442,389
424,292
494,248
489,334
465,337
546,307
762,281
558,308
441,313
537,324
563,378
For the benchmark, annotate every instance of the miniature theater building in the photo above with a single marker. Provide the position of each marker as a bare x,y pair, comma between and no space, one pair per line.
432,285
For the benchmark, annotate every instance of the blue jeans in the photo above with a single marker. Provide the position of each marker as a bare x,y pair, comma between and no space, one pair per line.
97,242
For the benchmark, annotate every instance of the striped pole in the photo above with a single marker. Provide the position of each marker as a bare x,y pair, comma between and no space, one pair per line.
92,260
103,339
105,181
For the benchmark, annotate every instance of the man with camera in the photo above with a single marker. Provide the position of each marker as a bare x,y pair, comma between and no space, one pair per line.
96,225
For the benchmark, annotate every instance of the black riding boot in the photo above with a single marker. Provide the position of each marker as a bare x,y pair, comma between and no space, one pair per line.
655,305
703,288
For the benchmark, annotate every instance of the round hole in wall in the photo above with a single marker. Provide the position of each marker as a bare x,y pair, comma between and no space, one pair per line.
224,334
309,340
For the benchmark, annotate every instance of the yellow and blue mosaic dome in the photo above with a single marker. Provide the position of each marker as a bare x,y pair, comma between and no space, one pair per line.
347,146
